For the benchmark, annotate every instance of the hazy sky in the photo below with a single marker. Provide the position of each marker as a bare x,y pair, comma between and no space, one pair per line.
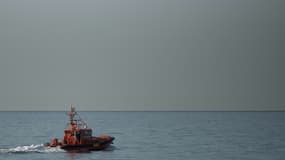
142,54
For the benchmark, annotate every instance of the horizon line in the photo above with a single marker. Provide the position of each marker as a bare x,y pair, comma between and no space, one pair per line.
250,110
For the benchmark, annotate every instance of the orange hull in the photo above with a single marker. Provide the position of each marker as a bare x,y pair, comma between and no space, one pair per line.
93,145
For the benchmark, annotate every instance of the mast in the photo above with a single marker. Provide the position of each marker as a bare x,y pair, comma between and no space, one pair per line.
72,122
75,122
72,113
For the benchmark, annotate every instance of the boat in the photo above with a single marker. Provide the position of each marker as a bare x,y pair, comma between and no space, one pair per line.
78,136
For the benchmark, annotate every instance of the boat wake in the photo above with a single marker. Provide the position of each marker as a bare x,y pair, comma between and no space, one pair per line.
39,148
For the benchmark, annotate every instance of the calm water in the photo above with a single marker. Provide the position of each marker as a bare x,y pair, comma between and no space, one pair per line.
150,135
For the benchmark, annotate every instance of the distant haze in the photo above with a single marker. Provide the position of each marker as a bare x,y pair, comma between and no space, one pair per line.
142,54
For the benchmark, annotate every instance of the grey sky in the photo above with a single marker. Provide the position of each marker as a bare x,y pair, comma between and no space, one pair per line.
142,54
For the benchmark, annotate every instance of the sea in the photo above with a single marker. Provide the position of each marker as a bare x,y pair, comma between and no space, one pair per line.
150,135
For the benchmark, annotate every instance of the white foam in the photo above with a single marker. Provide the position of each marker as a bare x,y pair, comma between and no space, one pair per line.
38,148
